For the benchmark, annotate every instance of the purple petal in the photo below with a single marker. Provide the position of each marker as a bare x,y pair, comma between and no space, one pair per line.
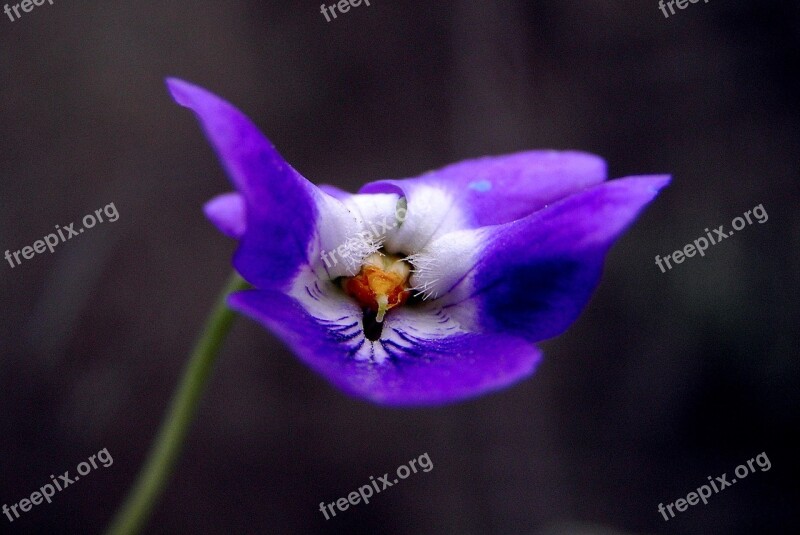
288,219
535,275
253,164
227,212
418,370
279,202
500,189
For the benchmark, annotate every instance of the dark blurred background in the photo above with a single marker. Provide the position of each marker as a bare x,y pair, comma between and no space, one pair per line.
665,379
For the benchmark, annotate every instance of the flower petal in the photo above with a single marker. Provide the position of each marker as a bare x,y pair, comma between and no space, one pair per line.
535,275
227,212
288,219
418,372
500,189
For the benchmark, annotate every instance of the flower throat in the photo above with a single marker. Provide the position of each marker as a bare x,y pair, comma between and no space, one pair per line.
381,285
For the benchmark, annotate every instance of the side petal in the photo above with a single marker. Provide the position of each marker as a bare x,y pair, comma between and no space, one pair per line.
499,189
534,276
418,371
227,212
288,219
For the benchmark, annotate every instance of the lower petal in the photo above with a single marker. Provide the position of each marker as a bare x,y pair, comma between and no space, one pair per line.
420,367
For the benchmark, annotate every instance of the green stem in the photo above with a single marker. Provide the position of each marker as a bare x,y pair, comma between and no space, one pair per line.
152,479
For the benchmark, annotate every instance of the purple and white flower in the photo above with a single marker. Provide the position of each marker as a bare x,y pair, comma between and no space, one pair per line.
490,256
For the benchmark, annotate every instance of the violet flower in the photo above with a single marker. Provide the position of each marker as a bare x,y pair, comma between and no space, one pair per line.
419,291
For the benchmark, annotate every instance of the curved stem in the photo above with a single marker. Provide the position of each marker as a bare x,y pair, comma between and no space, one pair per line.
152,478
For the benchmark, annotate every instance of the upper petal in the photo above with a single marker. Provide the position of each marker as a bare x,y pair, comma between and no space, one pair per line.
499,189
288,219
